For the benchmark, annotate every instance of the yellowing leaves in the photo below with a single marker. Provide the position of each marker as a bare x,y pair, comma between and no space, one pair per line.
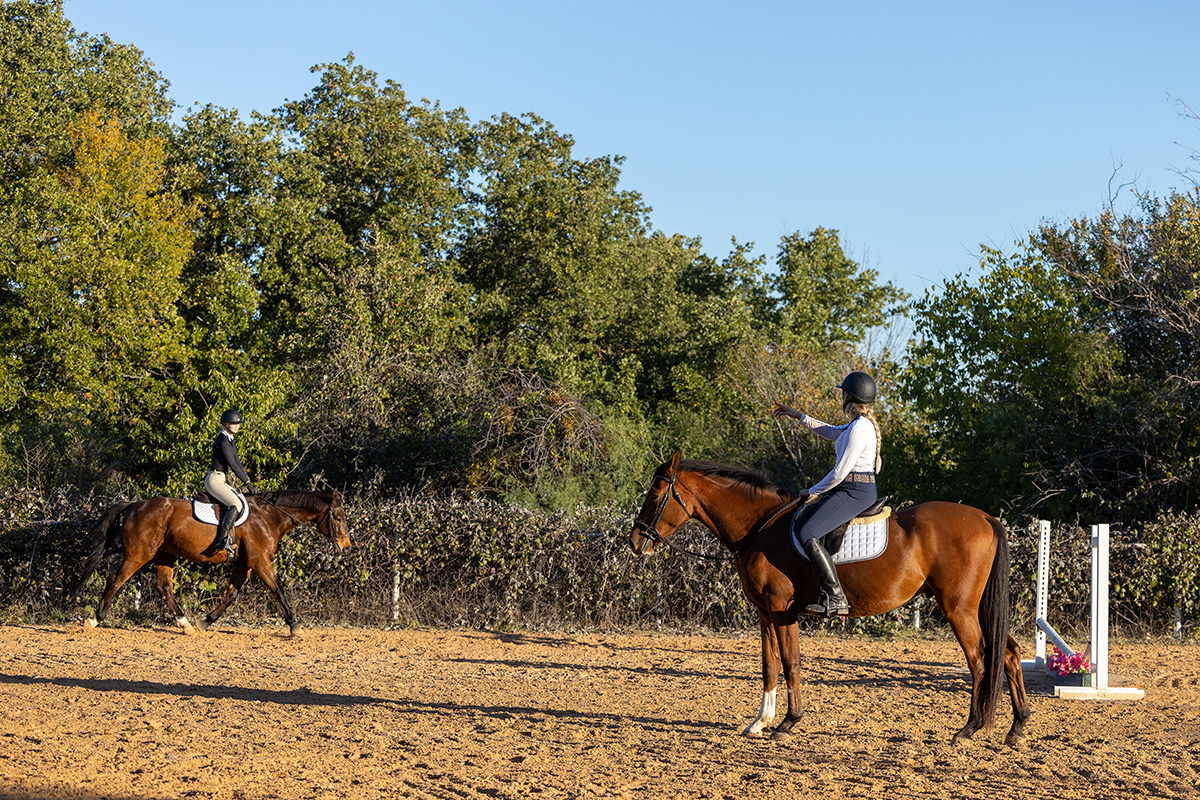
117,182
99,297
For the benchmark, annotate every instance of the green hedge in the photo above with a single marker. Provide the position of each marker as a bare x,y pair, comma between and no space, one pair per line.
443,560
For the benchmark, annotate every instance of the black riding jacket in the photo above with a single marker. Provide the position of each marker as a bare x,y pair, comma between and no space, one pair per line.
225,457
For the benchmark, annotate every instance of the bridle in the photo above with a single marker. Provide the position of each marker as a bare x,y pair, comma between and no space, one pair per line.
650,529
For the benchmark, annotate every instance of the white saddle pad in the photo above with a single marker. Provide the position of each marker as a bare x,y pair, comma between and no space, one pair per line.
864,540
207,512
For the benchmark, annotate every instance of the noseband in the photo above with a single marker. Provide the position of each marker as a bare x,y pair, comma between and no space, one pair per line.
650,529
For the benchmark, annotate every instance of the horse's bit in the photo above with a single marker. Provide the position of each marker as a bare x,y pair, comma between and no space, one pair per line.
650,529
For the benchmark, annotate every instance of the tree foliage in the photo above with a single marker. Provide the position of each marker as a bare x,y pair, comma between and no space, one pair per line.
393,294
1064,377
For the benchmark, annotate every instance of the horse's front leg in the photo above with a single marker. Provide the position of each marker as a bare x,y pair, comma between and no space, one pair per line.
788,637
237,577
266,573
166,576
770,676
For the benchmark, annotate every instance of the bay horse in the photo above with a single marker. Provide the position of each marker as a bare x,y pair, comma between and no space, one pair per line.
163,530
955,553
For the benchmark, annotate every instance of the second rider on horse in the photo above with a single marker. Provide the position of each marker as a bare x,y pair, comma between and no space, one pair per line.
225,462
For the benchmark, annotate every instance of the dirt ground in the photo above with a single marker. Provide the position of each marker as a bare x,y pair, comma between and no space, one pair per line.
353,713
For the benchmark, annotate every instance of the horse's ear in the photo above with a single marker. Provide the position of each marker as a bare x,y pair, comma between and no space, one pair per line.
675,459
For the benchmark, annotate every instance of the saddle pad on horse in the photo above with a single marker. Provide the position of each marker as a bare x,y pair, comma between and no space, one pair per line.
865,538
208,512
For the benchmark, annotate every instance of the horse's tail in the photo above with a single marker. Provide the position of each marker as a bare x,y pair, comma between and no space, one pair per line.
994,622
105,539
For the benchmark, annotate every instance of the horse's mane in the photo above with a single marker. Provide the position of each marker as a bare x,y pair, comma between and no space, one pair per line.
748,476
294,498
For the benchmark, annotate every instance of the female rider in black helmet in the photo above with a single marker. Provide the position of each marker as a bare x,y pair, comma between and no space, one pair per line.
225,461
848,489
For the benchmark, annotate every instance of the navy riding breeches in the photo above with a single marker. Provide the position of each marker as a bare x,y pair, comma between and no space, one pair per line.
840,504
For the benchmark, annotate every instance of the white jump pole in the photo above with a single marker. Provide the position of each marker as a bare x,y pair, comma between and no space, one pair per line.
1045,629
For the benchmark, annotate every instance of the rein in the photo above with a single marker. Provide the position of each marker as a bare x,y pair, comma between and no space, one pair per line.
650,530
323,518
767,521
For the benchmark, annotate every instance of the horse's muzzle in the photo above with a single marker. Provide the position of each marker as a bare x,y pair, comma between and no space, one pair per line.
640,543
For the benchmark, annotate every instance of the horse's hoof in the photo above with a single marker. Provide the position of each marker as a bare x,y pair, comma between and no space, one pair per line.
749,734
202,624
297,631
781,736
90,624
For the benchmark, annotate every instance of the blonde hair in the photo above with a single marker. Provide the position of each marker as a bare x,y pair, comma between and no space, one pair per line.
853,411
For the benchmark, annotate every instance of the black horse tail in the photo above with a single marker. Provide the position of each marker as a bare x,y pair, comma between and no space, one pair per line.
994,622
105,540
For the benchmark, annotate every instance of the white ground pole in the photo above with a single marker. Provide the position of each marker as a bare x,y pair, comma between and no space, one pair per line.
1098,648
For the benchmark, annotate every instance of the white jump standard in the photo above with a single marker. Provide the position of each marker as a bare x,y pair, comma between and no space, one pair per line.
1097,650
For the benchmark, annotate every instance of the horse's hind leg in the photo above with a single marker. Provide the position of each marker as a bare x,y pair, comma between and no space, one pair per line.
166,576
770,677
970,637
115,581
1016,690
238,577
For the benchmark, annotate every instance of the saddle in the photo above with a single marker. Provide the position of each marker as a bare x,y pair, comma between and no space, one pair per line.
863,537
207,510
869,519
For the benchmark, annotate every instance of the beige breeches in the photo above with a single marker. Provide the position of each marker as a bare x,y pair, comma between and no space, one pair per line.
215,485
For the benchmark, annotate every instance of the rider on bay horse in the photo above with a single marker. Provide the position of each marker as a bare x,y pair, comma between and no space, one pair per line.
225,461
848,489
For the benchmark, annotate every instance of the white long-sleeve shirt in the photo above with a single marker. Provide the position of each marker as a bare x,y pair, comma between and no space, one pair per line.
854,443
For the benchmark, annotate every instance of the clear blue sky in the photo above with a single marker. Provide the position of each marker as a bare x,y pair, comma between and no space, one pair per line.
919,130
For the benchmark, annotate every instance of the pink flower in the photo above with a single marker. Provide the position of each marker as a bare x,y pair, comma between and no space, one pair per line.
1068,664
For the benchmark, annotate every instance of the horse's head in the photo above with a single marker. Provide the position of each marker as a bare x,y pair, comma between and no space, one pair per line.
662,512
333,524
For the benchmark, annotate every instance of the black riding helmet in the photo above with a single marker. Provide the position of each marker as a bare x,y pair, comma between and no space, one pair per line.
859,387
234,417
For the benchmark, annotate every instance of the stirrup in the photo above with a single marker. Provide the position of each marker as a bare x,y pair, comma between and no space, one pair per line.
829,608
231,546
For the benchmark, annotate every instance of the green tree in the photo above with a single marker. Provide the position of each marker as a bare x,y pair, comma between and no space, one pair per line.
549,261
989,364
91,233
366,178
95,339
823,297
1063,379
1140,271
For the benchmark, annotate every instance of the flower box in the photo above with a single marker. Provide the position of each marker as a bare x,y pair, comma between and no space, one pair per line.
1074,679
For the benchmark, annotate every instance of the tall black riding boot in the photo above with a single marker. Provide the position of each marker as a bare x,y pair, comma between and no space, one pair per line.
225,537
835,599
